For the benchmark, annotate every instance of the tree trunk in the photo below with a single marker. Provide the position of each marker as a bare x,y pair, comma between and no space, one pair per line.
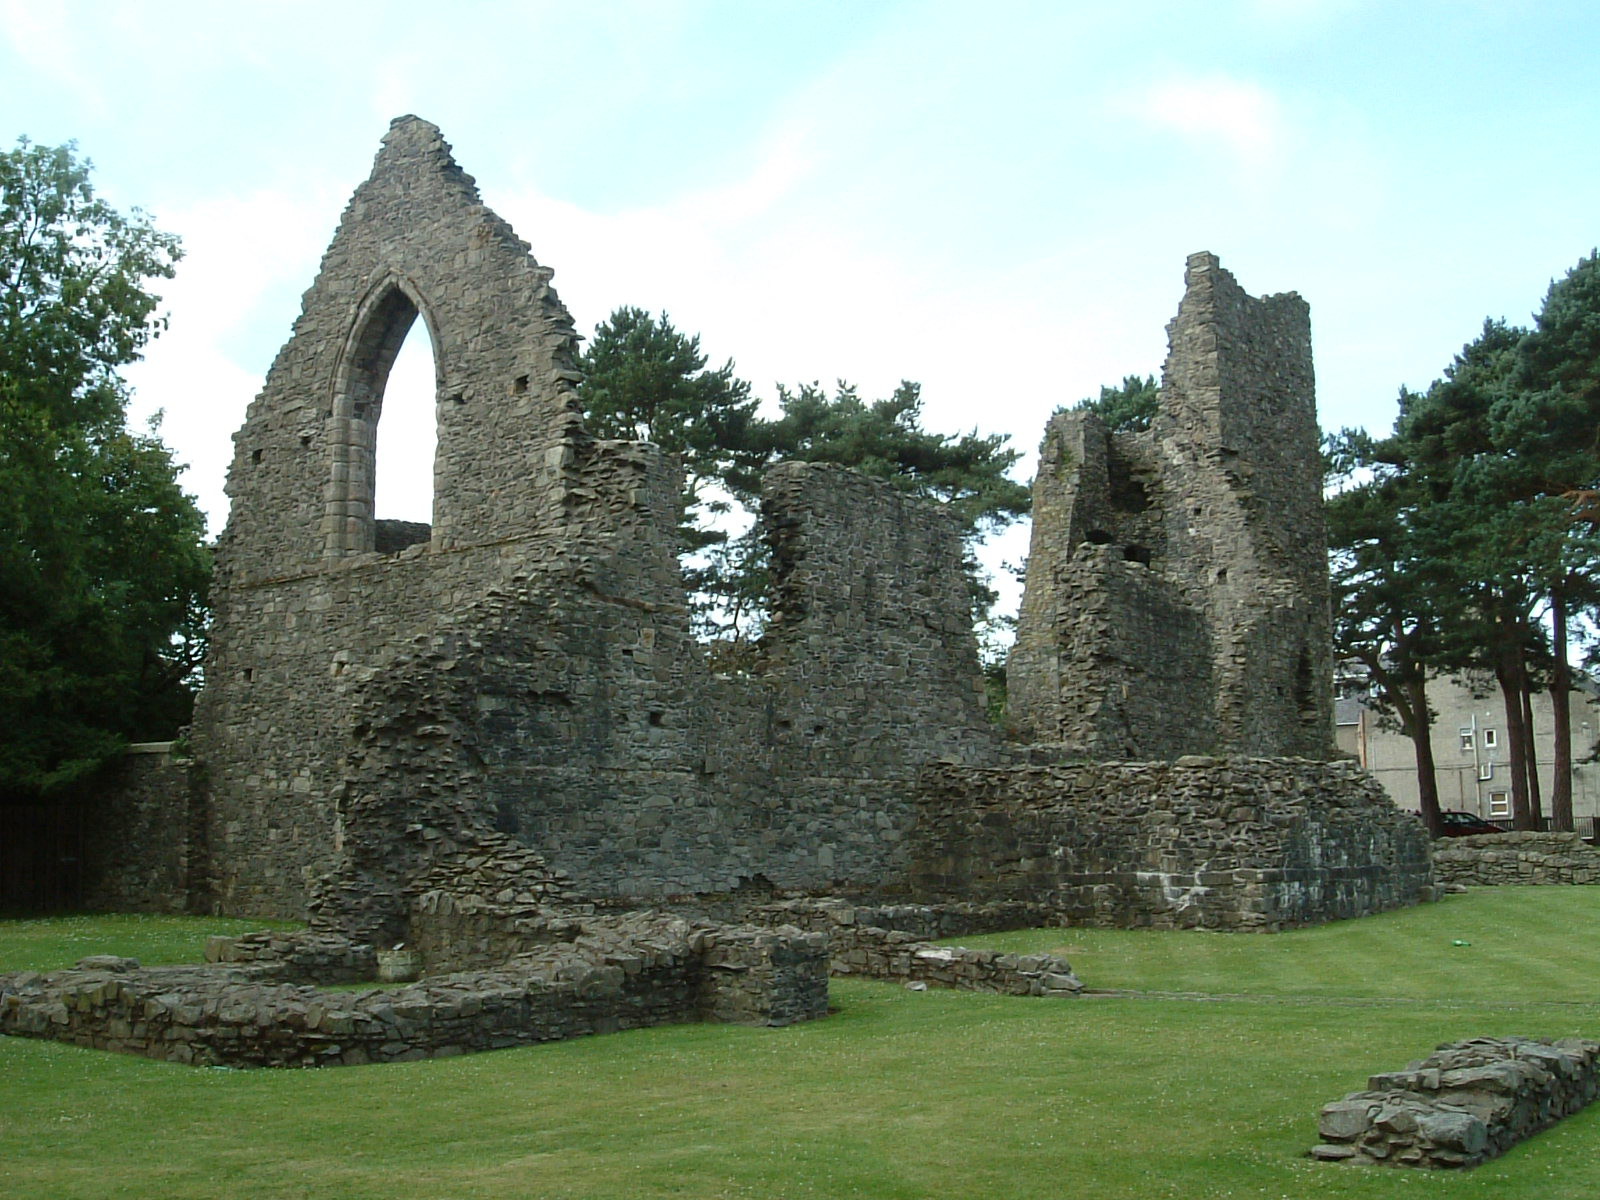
1419,724
1506,672
1530,753
1561,713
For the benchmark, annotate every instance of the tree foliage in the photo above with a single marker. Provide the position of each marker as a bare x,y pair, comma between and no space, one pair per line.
886,439
1475,530
1129,407
1385,616
102,563
643,378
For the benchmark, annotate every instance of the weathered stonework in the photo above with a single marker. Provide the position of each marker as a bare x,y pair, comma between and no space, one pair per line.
145,851
1177,588
644,970
1496,859
528,668
1469,1102
442,734
488,737
1247,844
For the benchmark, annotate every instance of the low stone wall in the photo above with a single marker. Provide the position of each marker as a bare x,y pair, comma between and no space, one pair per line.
887,954
889,941
645,970
302,956
1467,1103
1495,859
1235,843
930,922
762,976
454,931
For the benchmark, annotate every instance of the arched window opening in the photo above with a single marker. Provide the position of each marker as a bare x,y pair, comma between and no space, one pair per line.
380,490
402,468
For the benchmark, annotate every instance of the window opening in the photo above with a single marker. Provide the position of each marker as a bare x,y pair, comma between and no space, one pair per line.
1491,738
402,469
1499,804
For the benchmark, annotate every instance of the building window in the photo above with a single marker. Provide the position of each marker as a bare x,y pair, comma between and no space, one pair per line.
1499,804
1466,739
1491,738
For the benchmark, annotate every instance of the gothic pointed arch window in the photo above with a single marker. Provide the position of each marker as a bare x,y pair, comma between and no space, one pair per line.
355,524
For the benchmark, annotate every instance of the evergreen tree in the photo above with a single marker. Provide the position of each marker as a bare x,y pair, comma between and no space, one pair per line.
1386,595
644,379
1129,407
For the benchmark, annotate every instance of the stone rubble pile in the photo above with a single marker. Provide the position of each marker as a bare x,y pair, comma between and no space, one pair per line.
1470,1101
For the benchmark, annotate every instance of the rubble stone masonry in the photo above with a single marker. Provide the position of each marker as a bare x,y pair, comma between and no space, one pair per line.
512,691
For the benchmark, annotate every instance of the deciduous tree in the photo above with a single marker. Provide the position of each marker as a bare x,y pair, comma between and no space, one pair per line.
102,563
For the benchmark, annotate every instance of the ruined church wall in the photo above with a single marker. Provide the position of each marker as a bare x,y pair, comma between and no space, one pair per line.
278,718
657,778
138,849
415,239
578,712
1213,843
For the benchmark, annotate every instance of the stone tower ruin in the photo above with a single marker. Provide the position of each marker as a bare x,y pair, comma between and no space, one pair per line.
1177,585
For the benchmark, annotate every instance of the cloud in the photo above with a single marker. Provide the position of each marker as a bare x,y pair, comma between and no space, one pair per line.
202,373
1241,117
40,36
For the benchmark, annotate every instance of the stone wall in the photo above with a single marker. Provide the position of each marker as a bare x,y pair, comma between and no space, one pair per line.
303,956
885,954
512,692
141,849
1182,570
642,971
1471,1101
1494,859
1252,844
890,941
527,668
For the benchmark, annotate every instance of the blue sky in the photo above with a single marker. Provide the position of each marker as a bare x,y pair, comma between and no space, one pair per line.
994,200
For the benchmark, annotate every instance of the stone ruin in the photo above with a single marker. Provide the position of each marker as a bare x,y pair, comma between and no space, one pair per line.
1177,586
1468,1102
481,730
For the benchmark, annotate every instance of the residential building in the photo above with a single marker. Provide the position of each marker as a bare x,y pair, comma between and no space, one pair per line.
1470,748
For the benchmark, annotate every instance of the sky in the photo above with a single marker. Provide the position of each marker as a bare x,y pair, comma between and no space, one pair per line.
995,201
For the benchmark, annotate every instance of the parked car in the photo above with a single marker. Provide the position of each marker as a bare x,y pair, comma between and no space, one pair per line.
1464,824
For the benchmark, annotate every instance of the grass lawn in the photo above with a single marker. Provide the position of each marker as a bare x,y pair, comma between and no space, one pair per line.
900,1094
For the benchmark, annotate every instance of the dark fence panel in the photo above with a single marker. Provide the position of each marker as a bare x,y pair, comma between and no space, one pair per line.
41,857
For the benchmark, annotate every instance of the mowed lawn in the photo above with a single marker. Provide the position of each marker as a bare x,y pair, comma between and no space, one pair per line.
899,1094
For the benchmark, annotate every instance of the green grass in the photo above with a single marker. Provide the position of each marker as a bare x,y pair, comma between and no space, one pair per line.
900,1094
1525,944
50,943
